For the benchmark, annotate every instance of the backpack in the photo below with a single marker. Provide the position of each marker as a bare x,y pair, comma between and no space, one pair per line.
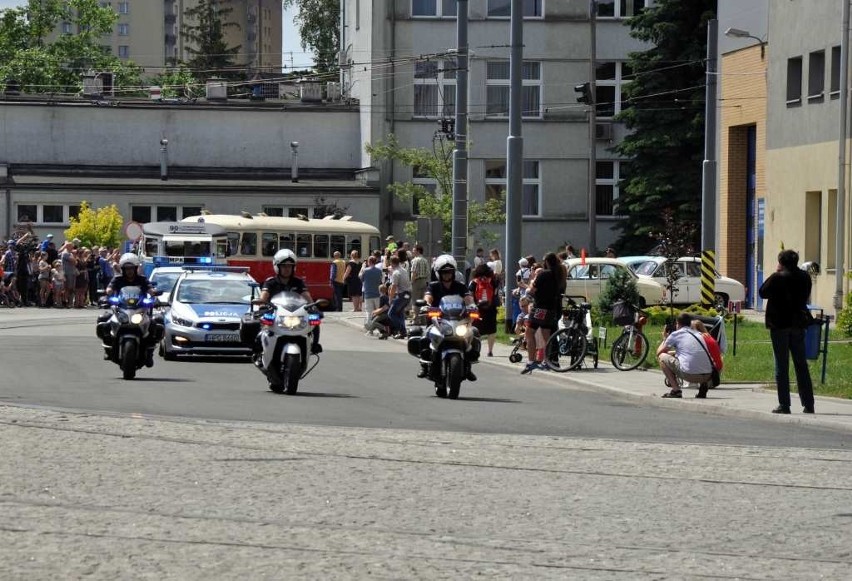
483,291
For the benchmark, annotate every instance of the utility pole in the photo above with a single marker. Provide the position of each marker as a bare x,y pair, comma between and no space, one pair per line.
459,232
708,178
840,233
514,154
593,190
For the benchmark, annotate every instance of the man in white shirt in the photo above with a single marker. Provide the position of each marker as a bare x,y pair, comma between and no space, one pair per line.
682,354
400,296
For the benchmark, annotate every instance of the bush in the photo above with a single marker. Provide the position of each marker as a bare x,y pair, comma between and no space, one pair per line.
844,318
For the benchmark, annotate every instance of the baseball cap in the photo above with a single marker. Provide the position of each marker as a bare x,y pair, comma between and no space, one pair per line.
49,236
389,238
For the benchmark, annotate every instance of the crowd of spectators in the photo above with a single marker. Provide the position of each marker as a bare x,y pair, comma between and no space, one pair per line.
37,273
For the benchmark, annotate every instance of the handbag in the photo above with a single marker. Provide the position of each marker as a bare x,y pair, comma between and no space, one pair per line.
715,377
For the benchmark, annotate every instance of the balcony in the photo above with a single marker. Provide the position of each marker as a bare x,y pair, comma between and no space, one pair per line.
171,18
171,38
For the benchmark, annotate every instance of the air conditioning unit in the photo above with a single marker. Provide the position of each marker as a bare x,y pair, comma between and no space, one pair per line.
97,84
603,131
217,90
332,91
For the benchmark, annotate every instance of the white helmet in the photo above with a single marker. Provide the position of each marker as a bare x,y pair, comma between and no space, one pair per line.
282,256
128,259
445,263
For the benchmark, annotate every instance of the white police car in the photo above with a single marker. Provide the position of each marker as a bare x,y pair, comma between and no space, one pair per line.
205,309
164,279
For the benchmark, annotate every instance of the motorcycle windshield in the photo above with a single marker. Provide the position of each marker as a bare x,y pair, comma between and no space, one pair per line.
130,297
289,300
452,307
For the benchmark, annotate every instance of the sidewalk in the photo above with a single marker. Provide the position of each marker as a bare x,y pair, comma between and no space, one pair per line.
747,400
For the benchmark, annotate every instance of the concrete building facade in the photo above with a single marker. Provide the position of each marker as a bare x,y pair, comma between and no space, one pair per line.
399,63
791,168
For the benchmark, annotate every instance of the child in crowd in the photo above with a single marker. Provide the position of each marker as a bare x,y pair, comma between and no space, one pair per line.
57,280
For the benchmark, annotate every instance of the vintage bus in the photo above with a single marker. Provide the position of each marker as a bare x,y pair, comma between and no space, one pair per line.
252,241
181,243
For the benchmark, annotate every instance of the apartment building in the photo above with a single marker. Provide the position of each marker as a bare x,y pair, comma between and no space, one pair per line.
398,61
148,32
779,142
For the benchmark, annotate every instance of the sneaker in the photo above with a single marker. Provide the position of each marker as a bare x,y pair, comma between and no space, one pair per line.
808,410
530,367
424,372
781,409
675,393
470,375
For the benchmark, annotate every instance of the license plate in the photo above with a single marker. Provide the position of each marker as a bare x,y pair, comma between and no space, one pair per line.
223,338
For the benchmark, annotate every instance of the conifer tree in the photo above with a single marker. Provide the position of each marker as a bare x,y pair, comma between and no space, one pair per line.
665,114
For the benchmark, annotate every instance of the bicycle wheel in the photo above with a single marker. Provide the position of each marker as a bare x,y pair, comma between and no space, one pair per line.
629,351
565,350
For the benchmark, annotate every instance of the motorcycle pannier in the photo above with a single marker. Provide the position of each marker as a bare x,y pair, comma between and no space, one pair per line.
249,328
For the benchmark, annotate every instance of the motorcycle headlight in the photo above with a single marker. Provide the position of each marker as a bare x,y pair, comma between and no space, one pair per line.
291,321
136,318
461,330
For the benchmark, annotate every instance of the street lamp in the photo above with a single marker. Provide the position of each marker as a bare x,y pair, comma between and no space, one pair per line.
739,33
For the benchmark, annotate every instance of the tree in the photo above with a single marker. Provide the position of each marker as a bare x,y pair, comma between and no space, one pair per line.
97,227
437,165
665,113
324,207
319,29
176,82
675,239
204,30
43,62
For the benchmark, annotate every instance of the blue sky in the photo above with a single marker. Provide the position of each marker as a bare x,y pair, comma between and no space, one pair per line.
290,35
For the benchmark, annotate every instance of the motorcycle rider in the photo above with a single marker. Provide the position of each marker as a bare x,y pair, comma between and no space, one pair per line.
446,285
284,265
128,266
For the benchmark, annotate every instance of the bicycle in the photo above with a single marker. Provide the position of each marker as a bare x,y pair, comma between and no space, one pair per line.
630,349
569,345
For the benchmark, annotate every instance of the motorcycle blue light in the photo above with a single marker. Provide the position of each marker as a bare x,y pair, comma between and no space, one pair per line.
314,317
114,300
205,326
205,260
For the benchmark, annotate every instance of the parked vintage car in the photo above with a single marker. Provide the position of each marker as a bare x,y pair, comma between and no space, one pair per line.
589,278
687,287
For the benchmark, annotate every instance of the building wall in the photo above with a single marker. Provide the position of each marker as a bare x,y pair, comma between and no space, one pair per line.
802,147
386,41
743,104
200,136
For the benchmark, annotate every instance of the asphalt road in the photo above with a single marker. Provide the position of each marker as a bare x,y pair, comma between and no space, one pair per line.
360,382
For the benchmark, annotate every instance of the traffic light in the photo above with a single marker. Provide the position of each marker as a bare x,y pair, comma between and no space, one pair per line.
584,93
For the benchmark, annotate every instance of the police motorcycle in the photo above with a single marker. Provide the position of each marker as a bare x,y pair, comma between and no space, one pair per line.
283,334
449,345
129,332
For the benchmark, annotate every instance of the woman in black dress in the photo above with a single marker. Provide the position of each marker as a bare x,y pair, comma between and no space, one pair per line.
353,282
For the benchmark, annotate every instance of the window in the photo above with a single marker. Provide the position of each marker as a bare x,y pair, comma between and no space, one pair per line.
141,214
620,8
123,29
813,227
435,88
353,242
503,8
268,243
187,211
610,79
320,246
338,244
273,210
67,28
816,76
27,213
286,241
73,211
497,89
831,231
53,214
124,7
248,244
495,184
123,51
835,73
296,212
167,213
794,81
609,177
439,8
428,183
304,245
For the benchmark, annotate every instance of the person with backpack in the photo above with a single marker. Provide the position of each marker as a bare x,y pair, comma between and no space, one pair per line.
484,289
